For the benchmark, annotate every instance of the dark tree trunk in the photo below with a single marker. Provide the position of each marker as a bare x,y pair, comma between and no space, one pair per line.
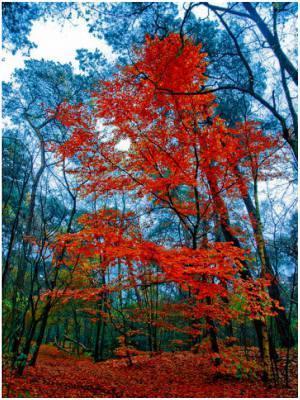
273,42
41,333
281,318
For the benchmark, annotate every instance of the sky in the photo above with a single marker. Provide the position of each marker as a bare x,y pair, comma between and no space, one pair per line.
58,42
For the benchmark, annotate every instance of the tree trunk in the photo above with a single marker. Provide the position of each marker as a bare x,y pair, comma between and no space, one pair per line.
274,44
265,338
13,233
222,211
26,349
41,333
274,292
99,340
19,284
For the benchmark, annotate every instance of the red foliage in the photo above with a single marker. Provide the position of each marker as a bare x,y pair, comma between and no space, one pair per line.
182,158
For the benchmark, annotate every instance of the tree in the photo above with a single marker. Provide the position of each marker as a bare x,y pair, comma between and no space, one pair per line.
35,88
182,157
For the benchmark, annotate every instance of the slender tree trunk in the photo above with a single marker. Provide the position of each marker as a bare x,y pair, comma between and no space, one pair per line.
27,346
19,284
33,323
274,292
222,211
53,285
13,233
211,324
154,327
77,331
41,333
28,230
260,243
102,336
290,317
274,44
99,339
100,332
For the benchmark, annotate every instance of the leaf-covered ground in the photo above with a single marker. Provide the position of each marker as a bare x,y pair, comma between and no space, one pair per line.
180,374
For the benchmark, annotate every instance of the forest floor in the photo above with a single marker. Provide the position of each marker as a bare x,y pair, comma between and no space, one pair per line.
179,374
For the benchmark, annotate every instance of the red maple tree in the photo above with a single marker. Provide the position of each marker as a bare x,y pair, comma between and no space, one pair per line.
182,158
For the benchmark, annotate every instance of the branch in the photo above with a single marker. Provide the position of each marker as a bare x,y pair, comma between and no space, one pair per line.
76,342
239,51
225,10
273,42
